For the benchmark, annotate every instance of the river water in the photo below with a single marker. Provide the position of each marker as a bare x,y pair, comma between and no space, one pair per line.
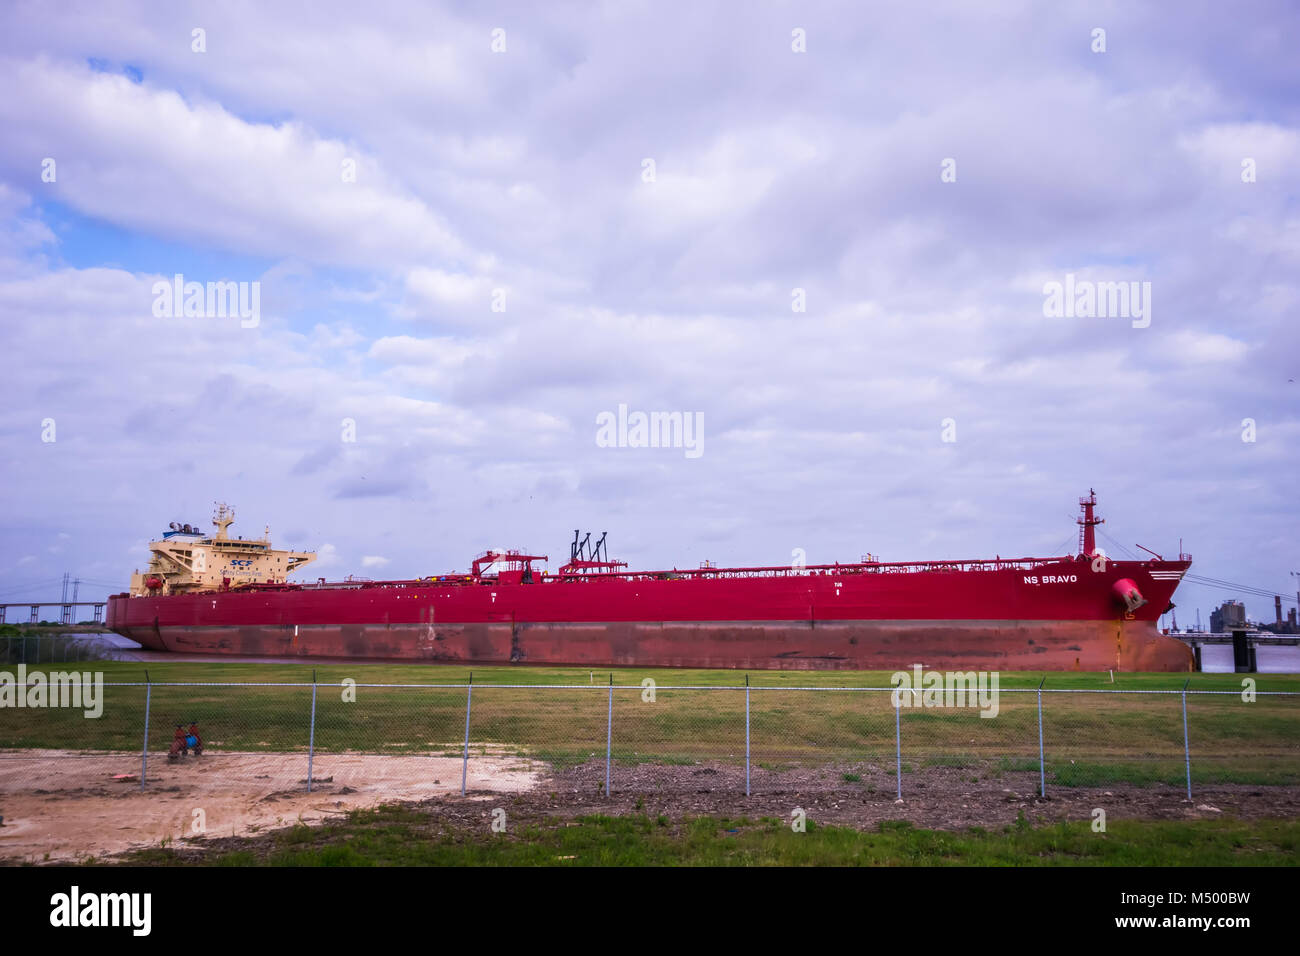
1217,659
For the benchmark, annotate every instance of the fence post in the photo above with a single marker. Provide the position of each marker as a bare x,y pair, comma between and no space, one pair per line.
469,702
311,732
1042,770
898,744
144,753
746,735
1187,744
609,732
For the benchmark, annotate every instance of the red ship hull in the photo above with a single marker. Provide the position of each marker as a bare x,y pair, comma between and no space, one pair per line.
1028,614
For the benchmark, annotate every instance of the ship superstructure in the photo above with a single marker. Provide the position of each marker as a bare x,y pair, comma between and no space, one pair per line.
184,560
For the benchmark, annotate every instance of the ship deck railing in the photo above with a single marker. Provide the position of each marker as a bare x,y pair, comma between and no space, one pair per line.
686,574
706,573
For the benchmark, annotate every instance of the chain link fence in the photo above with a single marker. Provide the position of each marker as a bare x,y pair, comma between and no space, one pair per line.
414,741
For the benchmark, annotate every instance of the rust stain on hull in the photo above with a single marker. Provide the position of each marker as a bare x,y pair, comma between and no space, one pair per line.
856,645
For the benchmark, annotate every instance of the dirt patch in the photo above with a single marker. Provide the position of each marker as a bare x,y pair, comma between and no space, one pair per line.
62,805
70,806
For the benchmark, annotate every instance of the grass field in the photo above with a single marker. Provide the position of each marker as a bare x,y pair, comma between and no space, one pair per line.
399,836
183,669
1088,738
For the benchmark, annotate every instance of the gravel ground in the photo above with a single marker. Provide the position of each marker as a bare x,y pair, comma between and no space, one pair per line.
936,798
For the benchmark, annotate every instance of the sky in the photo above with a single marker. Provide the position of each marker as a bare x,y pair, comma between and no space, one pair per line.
824,233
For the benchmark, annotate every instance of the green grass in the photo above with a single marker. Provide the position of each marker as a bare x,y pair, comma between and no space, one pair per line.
396,836
1021,765
1173,773
389,672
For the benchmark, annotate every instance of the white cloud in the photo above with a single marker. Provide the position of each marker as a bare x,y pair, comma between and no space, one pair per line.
522,172
327,556
148,159
1199,347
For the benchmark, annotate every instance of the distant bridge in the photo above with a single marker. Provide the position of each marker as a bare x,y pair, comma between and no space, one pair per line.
1211,637
65,607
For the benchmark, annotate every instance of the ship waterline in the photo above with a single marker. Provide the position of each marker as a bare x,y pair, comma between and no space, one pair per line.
765,645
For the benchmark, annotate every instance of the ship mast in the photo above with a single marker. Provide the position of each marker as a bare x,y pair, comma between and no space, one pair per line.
223,518
1087,537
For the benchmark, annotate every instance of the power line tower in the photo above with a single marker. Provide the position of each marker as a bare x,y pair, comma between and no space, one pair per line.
66,617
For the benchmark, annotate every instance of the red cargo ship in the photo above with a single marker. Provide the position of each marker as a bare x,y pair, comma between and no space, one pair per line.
1083,612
